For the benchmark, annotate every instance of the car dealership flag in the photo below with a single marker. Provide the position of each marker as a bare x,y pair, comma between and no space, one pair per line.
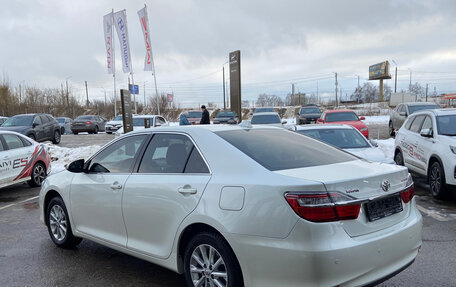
144,21
120,22
107,24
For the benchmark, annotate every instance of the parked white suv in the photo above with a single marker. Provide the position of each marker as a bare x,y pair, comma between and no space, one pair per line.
426,144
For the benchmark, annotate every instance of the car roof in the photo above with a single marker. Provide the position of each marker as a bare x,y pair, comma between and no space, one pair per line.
420,104
324,127
265,114
437,112
339,111
2,132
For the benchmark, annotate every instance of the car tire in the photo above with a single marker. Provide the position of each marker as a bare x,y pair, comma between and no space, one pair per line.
75,133
109,133
437,184
228,270
391,129
96,130
57,137
399,158
38,175
32,136
58,223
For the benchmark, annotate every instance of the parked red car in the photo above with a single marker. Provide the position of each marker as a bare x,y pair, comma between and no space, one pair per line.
346,117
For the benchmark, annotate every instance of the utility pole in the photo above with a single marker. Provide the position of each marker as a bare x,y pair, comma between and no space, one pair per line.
337,103
426,91
105,96
410,85
20,93
395,81
293,94
224,102
87,95
67,94
318,100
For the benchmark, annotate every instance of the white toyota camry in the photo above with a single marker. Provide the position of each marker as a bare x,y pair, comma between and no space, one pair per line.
239,206
22,159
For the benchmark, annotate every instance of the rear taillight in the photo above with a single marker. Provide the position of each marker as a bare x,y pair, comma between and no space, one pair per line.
408,194
88,123
322,206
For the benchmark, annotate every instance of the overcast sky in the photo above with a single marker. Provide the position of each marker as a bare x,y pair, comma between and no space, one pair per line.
44,42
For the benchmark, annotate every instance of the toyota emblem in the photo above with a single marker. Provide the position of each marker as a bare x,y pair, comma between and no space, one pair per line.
386,185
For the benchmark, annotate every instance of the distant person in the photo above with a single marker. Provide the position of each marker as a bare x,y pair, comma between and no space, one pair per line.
183,120
205,117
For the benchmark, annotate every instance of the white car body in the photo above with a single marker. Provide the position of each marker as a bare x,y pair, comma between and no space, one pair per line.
150,215
371,152
267,114
419,152
156,121
18,158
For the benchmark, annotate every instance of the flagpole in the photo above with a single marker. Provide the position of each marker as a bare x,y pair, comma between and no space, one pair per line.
153,69
113,62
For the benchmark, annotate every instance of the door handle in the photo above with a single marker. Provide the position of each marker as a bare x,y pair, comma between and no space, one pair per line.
116,185
187,189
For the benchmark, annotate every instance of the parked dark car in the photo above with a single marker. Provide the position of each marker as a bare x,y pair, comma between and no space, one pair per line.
308,114
226,117
88,123
39,127
65,124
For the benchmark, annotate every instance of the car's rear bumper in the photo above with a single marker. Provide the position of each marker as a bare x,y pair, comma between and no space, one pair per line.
80,129
324,254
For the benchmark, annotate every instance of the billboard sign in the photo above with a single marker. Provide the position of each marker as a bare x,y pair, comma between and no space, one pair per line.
235,82
127,116
379,71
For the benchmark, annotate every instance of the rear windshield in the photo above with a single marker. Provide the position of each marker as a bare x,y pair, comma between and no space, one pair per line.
277,149
341,138
83,118
416,108
265,119
264,110
118,118
306,111
139,122
195,114
341,117
225,115
18,121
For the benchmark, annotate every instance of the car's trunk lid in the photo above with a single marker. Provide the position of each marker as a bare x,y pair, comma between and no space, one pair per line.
361,180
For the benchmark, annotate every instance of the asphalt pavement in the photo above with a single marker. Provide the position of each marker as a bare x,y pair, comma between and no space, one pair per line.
29,258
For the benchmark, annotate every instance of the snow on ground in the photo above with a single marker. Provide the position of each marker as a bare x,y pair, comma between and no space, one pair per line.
60,156
387,147
377,120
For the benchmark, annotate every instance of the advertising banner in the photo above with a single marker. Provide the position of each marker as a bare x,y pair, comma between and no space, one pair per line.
144,21
120,22
107,25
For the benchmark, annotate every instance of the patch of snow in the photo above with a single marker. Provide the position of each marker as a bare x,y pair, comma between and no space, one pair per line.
377,120
387,147
60,156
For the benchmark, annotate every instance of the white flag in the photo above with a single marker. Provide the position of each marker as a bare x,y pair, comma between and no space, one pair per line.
120,21
144,21
107,24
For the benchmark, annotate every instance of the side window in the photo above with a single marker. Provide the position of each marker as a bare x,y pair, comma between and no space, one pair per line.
323,116
409,123
162,121
37,120
416,125
398,108
196,163
13,141
44,119
427,124
166,153
118,157
1,144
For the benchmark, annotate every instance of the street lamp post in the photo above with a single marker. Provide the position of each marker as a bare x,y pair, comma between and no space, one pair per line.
395,77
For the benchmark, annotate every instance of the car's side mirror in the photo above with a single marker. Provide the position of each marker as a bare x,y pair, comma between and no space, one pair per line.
403,114
34,125
320,121
76,166
427,133
362,118
284,122
374,143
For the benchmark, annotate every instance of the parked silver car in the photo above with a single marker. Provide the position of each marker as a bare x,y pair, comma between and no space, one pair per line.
402,111
65,125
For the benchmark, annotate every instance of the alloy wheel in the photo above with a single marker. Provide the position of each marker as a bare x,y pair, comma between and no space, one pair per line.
435,181
207,267
39,174
58,222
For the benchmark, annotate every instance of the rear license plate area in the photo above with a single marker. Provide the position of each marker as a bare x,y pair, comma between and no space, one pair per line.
383,207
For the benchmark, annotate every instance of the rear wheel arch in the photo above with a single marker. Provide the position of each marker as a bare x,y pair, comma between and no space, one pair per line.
434,158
